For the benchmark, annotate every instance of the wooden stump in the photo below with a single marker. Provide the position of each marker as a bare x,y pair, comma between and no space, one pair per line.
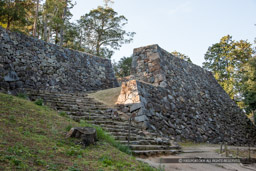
88,135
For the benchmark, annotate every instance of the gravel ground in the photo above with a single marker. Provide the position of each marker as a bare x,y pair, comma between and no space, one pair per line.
202,151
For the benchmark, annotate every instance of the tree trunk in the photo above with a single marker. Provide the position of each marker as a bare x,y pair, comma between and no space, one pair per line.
56,37
63,18
98,49
87,135
8,23
45,28
45,20
35,19
49,35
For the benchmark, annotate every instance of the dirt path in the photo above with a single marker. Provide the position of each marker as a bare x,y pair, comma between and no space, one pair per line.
202,151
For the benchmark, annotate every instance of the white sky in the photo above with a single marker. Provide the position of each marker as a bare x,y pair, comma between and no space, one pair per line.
188,26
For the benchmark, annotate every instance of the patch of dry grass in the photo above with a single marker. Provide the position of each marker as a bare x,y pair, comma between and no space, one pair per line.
108,96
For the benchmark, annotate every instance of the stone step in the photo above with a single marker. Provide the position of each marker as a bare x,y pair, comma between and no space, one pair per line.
107,126
109,122
147,153
77,118
67,99
133,130
68,103
132,138
77,109
146,142
123,134
81,107
86,113
126,133
152,147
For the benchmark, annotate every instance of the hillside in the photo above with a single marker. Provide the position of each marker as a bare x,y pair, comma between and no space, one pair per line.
32,137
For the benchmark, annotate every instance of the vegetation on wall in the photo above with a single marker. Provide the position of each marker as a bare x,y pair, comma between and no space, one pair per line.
181,56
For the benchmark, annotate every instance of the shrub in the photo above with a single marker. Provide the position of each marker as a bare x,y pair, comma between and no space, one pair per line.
64,114
39,102
22,95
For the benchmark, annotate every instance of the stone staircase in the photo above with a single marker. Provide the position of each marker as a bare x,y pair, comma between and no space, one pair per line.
79,106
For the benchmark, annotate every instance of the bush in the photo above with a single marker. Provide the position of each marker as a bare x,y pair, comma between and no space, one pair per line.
39,102
64,114
22,95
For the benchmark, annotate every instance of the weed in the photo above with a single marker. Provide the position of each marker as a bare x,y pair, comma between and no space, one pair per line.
22,95
74,151
40,162
74,168
39,102
68,127
52,167
64,114
11,119
106,160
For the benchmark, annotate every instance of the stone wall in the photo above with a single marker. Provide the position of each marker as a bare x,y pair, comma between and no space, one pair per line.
180,99
30,63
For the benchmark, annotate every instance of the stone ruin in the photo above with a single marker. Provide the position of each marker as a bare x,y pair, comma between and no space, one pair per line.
29,63
180,99
165,93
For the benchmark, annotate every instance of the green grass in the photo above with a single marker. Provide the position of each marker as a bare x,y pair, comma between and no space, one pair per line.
32,137
108,96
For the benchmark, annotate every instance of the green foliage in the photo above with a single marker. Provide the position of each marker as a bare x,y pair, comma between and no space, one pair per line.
64,114
249,86
181,56
106,160
74,168
22,95
15,13
123,67
226,60
102,31
74,151
39,102
68,127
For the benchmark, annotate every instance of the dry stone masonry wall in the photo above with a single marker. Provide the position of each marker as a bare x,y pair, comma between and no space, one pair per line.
180,99
30,63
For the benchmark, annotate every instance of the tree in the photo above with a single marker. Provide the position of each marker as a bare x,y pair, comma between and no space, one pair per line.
12,11
123,67
226,60
71,37
181,56
35,19
56,15
102,31
249,86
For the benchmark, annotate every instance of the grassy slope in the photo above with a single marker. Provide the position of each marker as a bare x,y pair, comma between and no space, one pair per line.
33,138
108,96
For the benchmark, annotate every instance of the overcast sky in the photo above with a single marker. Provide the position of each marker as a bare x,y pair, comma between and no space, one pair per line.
187,26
